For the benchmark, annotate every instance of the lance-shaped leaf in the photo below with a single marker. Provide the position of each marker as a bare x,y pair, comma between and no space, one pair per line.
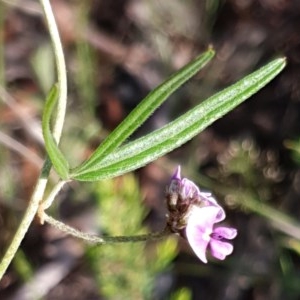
145,108
148,148
58,160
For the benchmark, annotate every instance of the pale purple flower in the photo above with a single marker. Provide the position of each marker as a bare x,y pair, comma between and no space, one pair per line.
193,214
184,188
182,193
202,235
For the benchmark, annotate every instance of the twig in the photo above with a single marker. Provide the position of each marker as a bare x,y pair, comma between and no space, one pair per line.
105,240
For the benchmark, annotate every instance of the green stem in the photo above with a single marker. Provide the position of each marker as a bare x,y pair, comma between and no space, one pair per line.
46,203
26,220
61,69
104,240
39,190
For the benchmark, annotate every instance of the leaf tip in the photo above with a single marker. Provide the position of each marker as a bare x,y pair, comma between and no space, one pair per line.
211,48
282,60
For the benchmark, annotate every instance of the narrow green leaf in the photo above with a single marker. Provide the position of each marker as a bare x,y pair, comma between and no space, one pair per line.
58,160
148,148
145,108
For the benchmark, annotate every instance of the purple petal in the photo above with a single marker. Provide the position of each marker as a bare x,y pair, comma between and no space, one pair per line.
221,214
199,227
203,216
175,184
198,241
209,200
228,233
176,174
189,189
220,249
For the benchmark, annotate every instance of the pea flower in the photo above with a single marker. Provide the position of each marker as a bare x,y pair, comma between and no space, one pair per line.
193,214
181,195
202,235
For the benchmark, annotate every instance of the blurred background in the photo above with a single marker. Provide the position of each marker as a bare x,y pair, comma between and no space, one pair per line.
116,52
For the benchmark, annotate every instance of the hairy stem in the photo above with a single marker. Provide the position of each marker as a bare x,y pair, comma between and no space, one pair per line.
104,240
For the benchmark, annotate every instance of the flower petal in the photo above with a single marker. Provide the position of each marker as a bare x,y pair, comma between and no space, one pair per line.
199,227
189,189
197,242
175,184
220,249
176,174
228,233
209,200
203,216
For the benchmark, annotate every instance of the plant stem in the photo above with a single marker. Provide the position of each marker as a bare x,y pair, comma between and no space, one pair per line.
104,240
46,203
61,69
26,220
39,190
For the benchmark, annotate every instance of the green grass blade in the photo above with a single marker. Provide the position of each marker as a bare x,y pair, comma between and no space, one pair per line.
144,110
58,160
148,148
